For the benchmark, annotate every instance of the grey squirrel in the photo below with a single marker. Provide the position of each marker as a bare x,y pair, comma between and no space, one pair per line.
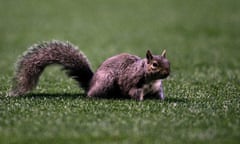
122,75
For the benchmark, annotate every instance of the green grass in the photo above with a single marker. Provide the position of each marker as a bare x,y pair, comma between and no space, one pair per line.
202,39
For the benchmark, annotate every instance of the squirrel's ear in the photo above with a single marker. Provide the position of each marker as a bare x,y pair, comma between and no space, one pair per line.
149,56
163,54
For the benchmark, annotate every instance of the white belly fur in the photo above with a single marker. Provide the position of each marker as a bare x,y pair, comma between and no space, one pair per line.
154,87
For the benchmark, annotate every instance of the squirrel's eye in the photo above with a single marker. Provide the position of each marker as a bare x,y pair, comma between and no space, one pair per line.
155,64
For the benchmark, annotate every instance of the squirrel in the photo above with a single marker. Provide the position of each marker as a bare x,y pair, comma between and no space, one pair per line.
122,75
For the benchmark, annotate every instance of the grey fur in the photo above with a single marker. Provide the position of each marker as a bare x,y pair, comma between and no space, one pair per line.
129,75
122,75
30,66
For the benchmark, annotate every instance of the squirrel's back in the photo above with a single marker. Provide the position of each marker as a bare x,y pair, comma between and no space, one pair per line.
119,62
118,73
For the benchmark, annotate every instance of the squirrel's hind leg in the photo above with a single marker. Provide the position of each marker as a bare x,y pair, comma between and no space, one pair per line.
101,85
136,93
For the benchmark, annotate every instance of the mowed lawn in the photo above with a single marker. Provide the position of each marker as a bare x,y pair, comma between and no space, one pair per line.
202,39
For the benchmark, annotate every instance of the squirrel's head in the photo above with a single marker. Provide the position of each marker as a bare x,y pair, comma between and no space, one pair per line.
158,66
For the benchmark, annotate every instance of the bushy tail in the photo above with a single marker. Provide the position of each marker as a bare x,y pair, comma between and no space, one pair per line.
32,63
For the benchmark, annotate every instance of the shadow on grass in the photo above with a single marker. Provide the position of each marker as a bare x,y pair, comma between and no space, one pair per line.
83,96
69,96
54,95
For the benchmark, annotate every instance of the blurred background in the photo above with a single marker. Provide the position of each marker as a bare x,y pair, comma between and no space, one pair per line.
195,33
